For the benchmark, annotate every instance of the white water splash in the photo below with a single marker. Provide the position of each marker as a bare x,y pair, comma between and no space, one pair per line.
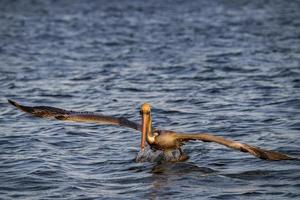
149,155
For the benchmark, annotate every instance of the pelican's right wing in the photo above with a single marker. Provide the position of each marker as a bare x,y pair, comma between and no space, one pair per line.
256,151
66,115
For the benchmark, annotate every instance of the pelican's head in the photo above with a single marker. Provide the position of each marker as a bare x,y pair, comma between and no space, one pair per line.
146,123
145,108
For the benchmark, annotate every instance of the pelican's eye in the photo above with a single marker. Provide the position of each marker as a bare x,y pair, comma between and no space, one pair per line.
144,112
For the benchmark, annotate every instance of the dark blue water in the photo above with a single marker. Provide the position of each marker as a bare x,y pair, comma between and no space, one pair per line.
231,68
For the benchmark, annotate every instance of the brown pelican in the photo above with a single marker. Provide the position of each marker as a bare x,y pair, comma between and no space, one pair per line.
168,141
163,140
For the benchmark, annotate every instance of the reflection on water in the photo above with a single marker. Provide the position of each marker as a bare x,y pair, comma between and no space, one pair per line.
166,176
177,168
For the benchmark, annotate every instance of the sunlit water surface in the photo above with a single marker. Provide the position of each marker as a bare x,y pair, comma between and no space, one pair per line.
226,67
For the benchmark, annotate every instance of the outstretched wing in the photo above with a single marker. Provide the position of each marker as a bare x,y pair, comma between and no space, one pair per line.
66,115
256,151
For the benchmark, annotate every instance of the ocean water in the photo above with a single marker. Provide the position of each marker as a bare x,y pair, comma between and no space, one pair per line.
231,68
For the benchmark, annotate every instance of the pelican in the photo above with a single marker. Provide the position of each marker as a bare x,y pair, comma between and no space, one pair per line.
167,141
163,140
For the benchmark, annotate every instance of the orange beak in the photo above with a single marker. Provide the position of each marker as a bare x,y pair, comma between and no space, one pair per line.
145,125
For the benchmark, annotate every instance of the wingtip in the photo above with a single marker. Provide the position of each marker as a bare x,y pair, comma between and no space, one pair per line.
21,107
293,158
273,155
13,102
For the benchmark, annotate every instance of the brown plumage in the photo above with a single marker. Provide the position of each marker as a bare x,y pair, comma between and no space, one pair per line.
169,140
67,115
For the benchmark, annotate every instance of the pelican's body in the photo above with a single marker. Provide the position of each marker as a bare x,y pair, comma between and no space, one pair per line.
168,145
164,141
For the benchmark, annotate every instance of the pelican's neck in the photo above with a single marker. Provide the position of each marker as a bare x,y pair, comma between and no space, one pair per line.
149,133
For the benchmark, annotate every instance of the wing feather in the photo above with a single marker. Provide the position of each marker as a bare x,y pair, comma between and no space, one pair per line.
67,115
256,151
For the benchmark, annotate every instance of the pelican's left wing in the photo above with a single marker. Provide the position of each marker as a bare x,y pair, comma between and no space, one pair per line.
256,151
67,115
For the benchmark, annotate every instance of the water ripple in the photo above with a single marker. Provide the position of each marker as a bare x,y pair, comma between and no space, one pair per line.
231,68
